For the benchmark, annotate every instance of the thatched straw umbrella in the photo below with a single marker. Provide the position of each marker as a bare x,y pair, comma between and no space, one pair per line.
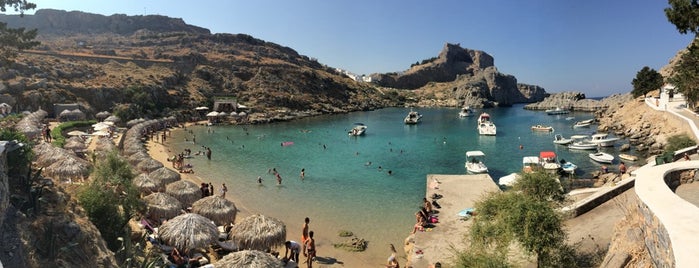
188,231
41,148
145,184
218,209
103,146
148,165
133,147
164,176
102,115
134,122
162,206
137,157
113,119
69,168
185,191
249,258
75,144
52,155
258,232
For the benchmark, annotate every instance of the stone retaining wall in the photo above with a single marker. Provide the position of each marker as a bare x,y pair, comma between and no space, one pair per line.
668,221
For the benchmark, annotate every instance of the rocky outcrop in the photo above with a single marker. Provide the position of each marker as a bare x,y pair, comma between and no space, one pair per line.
460,76
60,22
452,61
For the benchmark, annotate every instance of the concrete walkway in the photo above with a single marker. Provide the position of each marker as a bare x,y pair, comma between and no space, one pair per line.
458,192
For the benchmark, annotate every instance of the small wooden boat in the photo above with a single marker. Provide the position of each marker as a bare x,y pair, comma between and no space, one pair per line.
601,157
628,157
542,128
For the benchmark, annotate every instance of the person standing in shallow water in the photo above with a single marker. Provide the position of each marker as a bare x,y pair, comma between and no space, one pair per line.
224,189
208,153
303,173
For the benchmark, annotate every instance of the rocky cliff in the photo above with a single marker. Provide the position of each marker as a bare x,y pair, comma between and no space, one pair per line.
59,22
461,76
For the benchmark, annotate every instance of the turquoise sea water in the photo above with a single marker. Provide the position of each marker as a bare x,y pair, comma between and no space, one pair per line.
340,190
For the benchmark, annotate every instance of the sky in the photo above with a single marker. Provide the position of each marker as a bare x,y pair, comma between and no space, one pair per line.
594,46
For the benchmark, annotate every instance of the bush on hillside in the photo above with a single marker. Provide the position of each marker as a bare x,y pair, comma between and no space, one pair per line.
678,142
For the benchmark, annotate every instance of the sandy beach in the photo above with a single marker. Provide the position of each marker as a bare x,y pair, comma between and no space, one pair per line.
325,236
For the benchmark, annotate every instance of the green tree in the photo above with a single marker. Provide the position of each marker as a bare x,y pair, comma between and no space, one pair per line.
527,216
647,80
686,75
684,14
18,160
678,142
110,199
13,40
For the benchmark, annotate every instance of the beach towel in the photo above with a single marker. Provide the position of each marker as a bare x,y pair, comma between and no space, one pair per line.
466,212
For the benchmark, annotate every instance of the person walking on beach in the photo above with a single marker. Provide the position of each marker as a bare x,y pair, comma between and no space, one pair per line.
304,230
309,249
211,189
224,189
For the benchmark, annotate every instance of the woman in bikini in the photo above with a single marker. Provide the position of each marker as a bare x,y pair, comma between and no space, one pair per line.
309,249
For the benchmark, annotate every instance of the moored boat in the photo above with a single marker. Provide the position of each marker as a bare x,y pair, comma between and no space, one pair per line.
581,142
568,167
485,126
628,157
474,162
508,180
530,164
412,118
465,112
559,139
357,130
603,140
542,128
581,124
557,110
548,161
602,157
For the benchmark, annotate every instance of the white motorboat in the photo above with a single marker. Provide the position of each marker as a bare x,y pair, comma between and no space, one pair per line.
542,128
530,164
412,118
568,167
357,130
581,124
508,180
485,126
603,139
548,161
559,139
582,142
601,157
465,112
556,111
474,162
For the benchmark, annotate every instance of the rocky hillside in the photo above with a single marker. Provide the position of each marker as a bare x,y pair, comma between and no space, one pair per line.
147,73
461,76
59,22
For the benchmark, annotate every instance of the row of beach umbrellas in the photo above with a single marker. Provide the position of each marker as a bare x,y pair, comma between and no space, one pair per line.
31,124
169,196
60,163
